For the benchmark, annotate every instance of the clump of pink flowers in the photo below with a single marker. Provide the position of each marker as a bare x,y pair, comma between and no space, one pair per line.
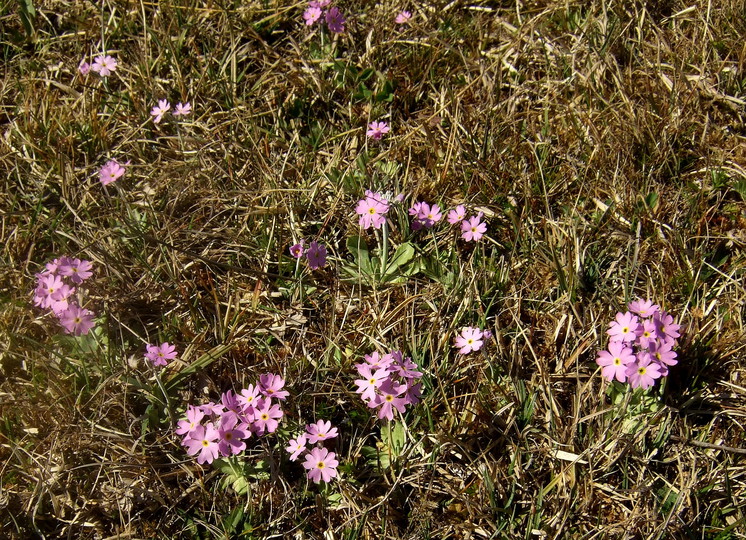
372,210
315,253
333,17
55,289
319,462
641,343
212,430
424,215
388,382
164,107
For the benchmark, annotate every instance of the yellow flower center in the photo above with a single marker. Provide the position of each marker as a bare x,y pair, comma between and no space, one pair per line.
205,443
321,465
371,211
641,370
617,361
389,398
265,417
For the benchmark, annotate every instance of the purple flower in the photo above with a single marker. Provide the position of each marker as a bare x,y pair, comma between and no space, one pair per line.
159,355
457,215
104,65
84,67
193,417
266,417
319,3
321,465
370,382
403,17
473,229
376,361
388,399
643,308
231,436
615,361
335,21
111,172
271,386
182,109
249,399
624,328
665,326
376,130
76,269
469,340
159,110
425,215
316,256
296,447
203,440
76,320
662,352
646,333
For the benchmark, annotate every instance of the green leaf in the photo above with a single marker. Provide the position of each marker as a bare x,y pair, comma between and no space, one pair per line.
199,364
359,249
404,253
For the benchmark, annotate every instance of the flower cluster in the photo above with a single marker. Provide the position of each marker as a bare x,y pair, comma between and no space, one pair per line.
334,19
164,107
104,65
111,172
372,210
376,130
389,382
159,355
424,215
221,429
54,291
641,343
315,253
471,339
321,463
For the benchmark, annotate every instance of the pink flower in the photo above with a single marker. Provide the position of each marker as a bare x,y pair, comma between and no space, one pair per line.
84,67
230,436
311,15
76,320
104,65
319,3
297,250
320,431
376,130
662,353
193,417
370,381
469,340
335,21
642,374
249,399
77,270
457,215
266,417
615,361
316,256
643,308
321,465
372,211
666,327
404,367
425,215
646,333
388,399
375,361
111,172
159,355
203,440
158,111
182,109
624,328
403,17
271,386
473,229
296,447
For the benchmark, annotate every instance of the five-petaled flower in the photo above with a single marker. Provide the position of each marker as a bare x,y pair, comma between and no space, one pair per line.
159,355
469,340
182,109
111,172
321,465
159,110
104,65
473,229
403,17
376,130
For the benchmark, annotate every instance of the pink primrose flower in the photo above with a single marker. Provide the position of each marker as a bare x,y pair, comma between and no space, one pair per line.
376,361
370,381
473,229
111,172
159,110
159,355
249,399
182,109
335,21
469,340
457,215
84,67
271,386
203,440
403,17
663,353
320,431
624,328
76,320
78,270
413,395
266,417
231,436
104,65
643,308
665,326
388,399
643,372
376,130
646,333
311,15
193,417
615,361
231,402
316,255
319,3
372,212
296,447
321,465
298,250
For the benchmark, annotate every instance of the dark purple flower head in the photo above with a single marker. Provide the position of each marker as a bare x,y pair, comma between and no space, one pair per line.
335,21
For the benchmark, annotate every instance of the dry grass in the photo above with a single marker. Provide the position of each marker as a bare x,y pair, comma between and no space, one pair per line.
606,142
